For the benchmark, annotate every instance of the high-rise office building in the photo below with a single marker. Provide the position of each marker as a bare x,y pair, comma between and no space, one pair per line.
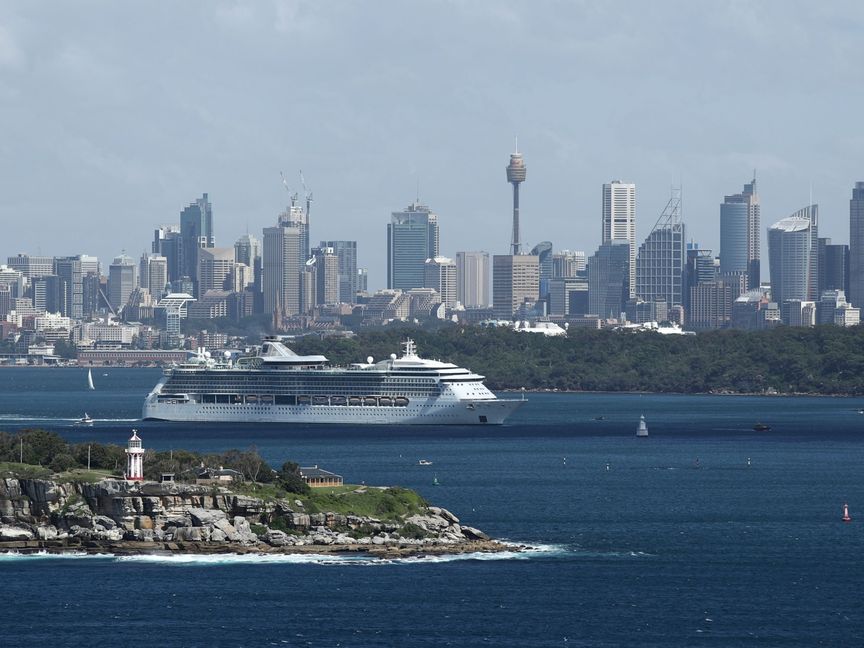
362,280
69,270
515,283
568,264
247,250
856,246
543,252
568,296
412,237
295,218
282,266
472,279
833,266
619,221
31,266
49,294
167,242
661,259
441,275
327,276
157,276
196,231
346,253
121,281
740,235
793,252
699,268
215,269
608,279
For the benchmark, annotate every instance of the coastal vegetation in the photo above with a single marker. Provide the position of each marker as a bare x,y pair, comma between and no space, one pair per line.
819,360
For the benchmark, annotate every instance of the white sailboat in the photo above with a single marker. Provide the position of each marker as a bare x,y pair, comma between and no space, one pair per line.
642,430
90,379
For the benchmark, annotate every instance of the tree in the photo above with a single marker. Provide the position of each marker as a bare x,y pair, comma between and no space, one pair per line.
289,477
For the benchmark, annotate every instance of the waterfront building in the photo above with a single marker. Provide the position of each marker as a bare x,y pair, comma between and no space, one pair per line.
472,279
833,266
740,234
608,279
793,251
215,269
441,275
346,255
515,283
283,263
412,237
173,308
121,281
619,222
196,232
661,259
856,246
70,271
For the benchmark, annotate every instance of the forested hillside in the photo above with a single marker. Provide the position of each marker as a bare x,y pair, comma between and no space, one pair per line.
824,360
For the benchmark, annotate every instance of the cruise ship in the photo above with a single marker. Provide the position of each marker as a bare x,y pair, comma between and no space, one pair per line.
275,385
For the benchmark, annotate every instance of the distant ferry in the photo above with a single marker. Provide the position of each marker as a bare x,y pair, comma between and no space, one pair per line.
275,385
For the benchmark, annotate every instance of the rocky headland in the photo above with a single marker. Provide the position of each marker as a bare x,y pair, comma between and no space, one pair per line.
122,518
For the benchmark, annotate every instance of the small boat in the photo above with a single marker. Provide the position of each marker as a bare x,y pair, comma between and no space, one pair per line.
435,481
761,427
642,430
846,517
90,380
424,462
84,420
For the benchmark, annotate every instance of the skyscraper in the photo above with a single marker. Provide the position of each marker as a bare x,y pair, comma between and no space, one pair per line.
833,267
215,267
660,263
516,173
472,279
441,275
608,277
167,242
31,266
619,221
543,252
282,266
346,253
121,281
412,237
739,235
793,250
515,282
196,231
294,217
856,246
69,270
327,275
247,250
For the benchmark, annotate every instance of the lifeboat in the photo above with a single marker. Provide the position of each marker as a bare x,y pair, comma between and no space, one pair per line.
355,400
320,400
337,400
304,400
370,400
400,401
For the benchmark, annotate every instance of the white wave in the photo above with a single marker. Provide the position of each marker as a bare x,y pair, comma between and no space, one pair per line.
16,555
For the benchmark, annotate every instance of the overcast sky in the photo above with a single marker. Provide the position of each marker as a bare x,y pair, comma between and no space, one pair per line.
115,115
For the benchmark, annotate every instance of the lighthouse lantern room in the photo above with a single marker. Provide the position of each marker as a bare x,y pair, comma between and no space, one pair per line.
134,458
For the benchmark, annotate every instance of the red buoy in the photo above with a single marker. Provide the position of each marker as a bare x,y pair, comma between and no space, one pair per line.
846,517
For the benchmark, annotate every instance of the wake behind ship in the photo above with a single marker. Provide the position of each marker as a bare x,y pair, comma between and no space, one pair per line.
275,385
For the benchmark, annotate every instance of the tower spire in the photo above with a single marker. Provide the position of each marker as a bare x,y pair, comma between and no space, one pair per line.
516,175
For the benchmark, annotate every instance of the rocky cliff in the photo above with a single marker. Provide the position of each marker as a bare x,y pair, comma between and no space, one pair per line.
123,517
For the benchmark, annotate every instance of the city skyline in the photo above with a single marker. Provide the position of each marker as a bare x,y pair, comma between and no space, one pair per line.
127,152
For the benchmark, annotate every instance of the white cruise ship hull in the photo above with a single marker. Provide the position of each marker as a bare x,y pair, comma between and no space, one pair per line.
432,412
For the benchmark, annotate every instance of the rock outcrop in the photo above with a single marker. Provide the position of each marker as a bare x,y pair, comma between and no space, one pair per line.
119,516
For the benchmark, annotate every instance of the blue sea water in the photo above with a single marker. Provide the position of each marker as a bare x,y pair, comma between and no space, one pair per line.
674,540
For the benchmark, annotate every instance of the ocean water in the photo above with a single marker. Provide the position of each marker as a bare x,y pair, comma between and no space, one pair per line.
706,533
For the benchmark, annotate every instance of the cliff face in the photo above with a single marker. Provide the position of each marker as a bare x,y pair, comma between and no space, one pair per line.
37,513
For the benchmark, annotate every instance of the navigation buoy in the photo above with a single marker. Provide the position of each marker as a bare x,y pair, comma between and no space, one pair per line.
846,517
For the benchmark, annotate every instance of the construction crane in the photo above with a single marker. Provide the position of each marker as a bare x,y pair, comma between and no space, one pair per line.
292,196
306,192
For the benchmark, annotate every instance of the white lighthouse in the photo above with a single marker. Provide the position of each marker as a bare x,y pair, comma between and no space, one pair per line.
134,458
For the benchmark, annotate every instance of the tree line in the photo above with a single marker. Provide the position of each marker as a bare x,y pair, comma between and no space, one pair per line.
818,360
